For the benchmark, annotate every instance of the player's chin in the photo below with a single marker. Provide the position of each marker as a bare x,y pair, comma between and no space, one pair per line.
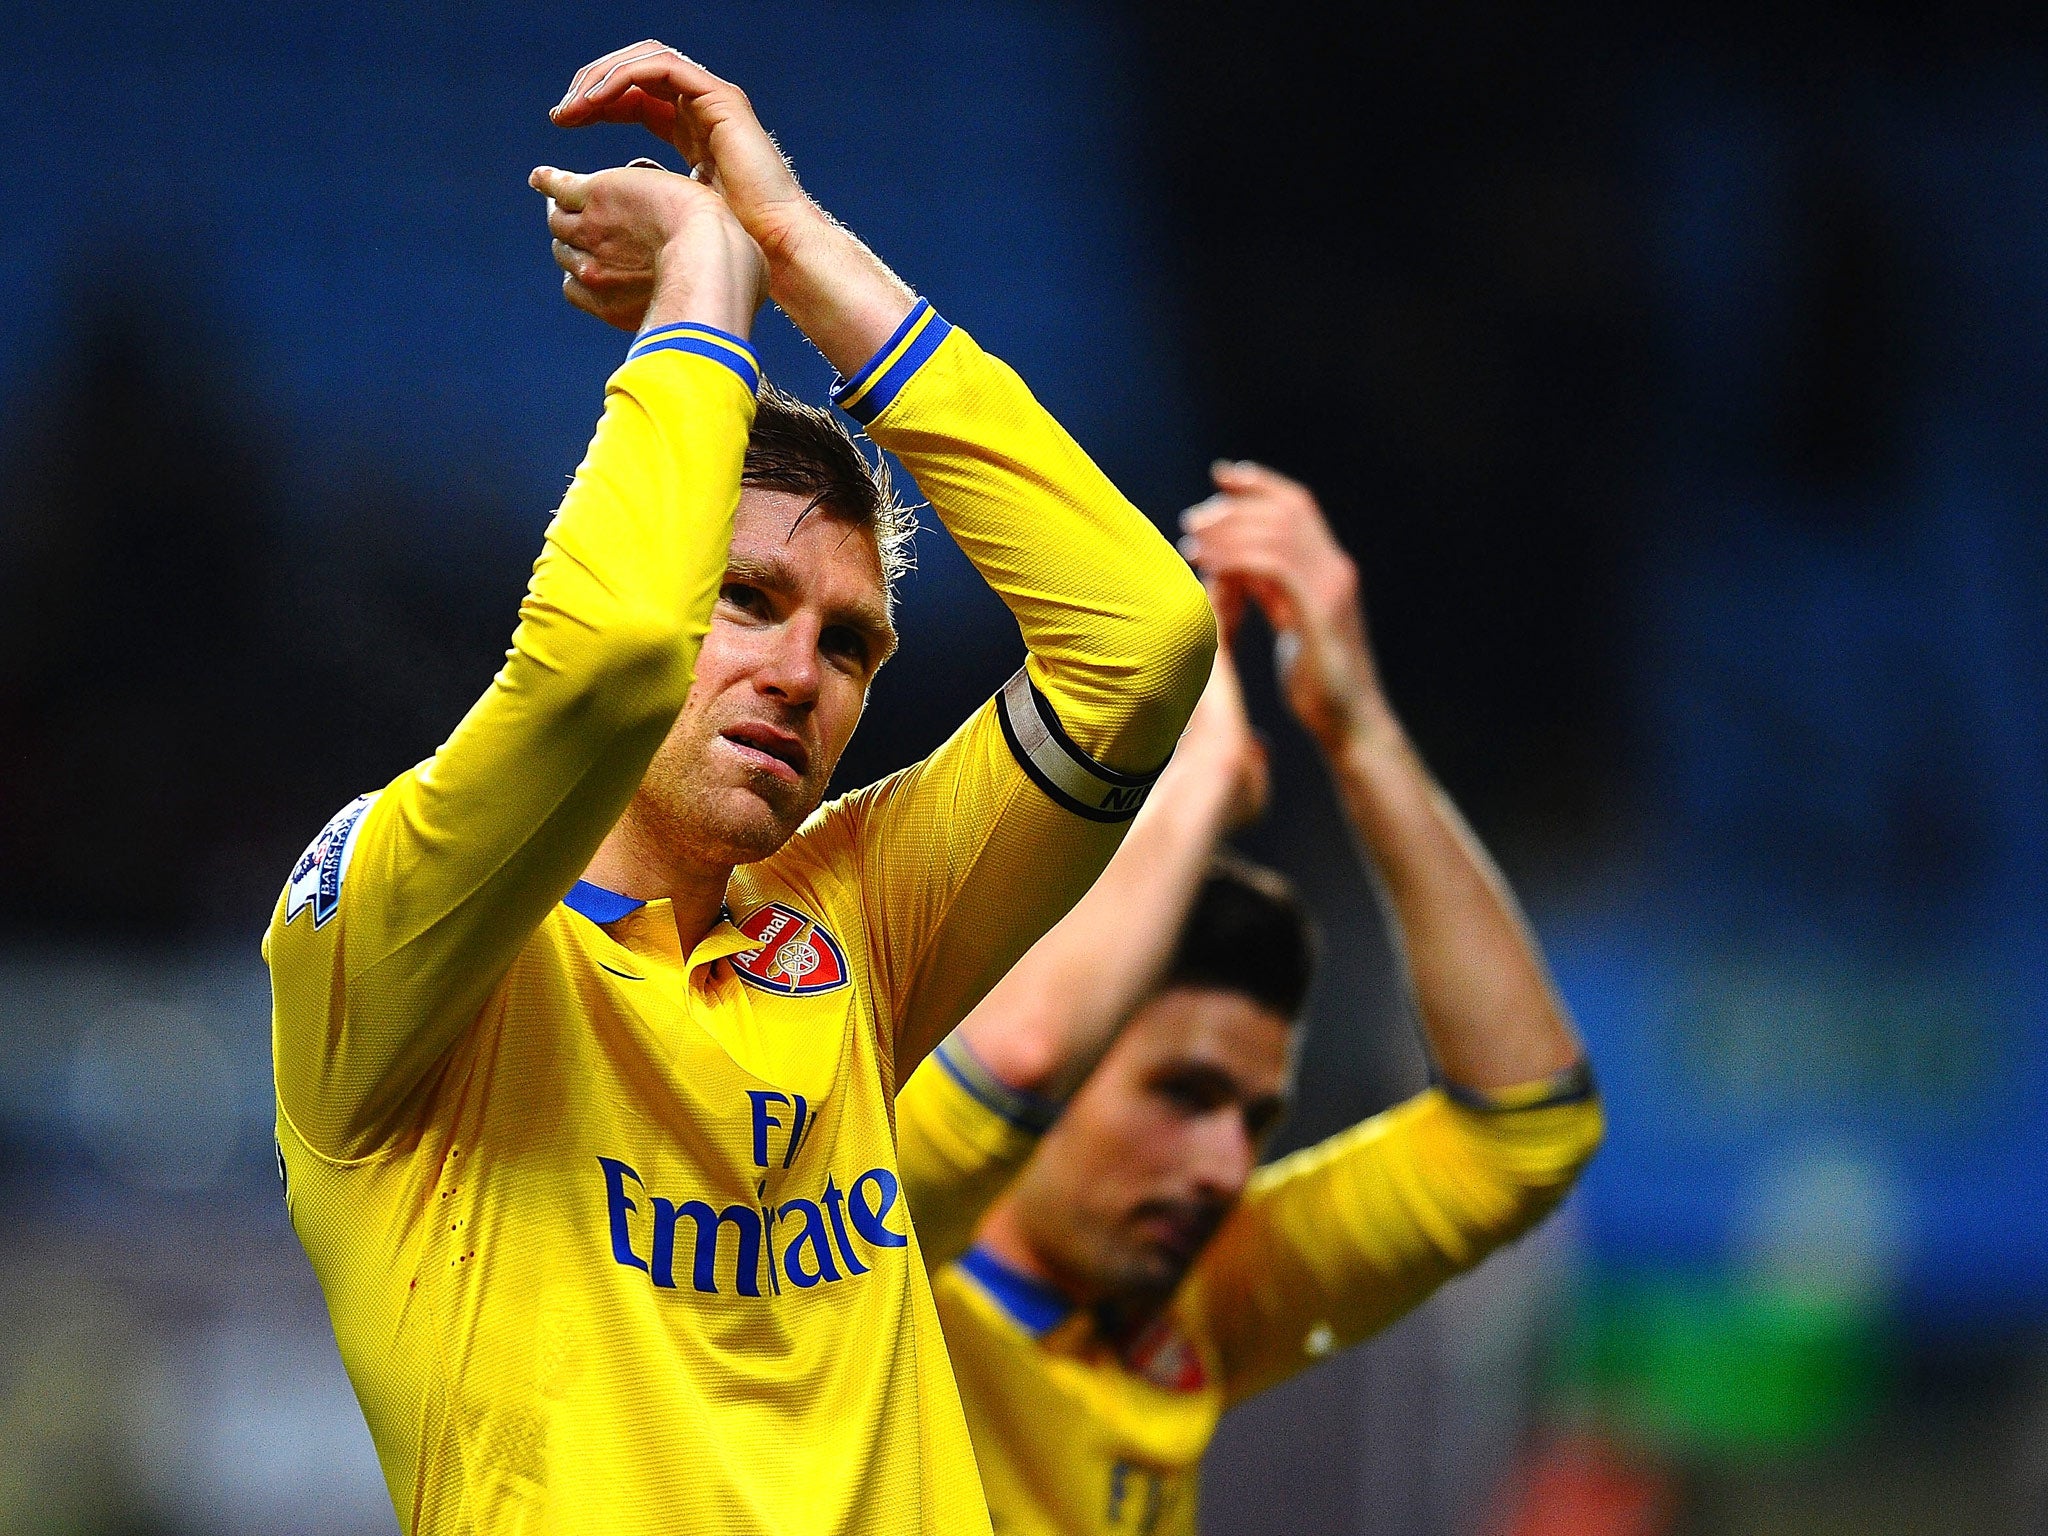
1150,1269
763,814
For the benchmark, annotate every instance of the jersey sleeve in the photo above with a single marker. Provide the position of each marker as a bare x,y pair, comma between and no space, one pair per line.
961,1136
1332,1244
407,911
967,857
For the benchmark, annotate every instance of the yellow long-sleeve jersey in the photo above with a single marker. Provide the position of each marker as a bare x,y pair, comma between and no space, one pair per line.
1078,1433
612,1235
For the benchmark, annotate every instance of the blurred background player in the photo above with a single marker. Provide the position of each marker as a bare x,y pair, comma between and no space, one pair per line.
598,1175
1139,1277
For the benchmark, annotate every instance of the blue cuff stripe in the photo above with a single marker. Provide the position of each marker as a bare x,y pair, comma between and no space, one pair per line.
842,388
739,344
1026,1111
881,379
703,341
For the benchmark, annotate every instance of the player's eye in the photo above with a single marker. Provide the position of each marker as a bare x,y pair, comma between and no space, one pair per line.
751,600
1192,1093
846,646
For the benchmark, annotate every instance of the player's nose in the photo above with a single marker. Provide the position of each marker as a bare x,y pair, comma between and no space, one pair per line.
788,669
1225,1157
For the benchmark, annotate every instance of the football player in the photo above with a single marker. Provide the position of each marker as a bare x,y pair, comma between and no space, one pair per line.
588,1029
1142,1275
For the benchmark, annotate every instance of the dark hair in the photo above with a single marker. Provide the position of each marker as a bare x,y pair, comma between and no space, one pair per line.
803,449
1248,932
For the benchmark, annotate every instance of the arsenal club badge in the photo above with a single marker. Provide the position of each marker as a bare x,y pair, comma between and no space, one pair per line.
795,956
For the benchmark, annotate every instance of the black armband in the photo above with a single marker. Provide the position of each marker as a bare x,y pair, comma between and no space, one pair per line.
1050,759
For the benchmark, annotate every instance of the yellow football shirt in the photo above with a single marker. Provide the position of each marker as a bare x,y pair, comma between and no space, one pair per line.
612,1235
1079,1433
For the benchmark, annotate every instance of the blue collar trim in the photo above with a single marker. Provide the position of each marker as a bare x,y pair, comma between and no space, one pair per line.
1038,1308
598,904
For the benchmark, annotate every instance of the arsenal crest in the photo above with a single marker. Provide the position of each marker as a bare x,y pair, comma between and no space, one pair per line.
1163,1355
795,956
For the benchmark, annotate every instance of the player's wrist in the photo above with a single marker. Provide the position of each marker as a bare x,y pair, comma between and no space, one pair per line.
1364,730
837,292
790,241
1333,687
714,282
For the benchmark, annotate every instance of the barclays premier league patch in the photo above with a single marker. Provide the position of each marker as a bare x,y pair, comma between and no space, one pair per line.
795,956
316,878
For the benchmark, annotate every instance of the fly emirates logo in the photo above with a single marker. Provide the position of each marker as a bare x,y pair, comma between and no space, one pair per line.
771,1244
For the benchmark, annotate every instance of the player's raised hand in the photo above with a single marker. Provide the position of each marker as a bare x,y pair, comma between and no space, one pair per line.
837,291
711,122
641,244
1262,537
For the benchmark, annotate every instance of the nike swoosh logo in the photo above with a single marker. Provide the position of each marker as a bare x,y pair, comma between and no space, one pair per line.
623,975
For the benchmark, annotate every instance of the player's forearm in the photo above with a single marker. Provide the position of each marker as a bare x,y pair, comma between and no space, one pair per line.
1119,630
837,292
637,551
1043,525
1489,1011
971,1115
1044,1026
647,519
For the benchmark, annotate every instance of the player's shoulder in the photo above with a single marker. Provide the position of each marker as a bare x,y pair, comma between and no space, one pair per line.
302,928
823,858
314,885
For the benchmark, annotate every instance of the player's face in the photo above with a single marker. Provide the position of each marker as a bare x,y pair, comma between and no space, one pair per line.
801,624
1158,1145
